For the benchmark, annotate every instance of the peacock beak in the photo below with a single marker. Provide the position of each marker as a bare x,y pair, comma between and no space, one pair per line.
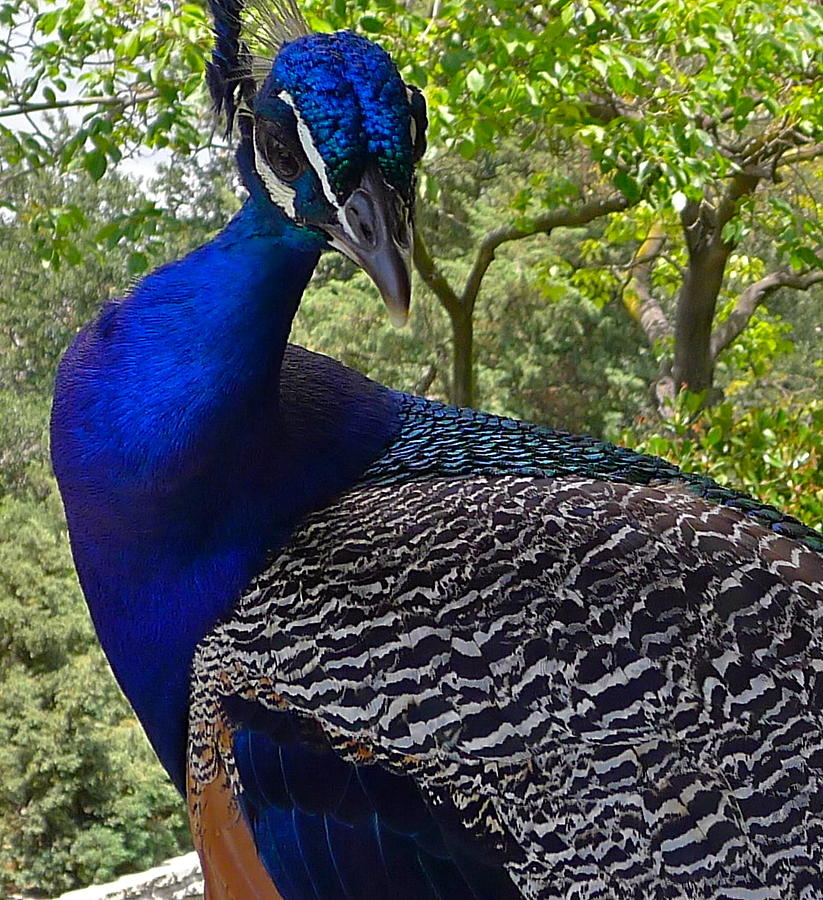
374,231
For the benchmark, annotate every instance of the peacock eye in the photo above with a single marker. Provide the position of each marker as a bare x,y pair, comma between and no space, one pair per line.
285,165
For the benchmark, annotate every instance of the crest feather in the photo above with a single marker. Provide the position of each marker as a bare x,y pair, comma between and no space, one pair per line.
268,24
247,36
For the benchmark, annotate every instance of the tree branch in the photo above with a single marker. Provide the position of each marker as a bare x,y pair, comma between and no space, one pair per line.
432,276
114,100
751,298
740,185
800,154
565,217
638,299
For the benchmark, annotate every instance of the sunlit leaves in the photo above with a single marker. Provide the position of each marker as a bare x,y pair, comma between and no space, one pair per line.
659,94
775,452
126,72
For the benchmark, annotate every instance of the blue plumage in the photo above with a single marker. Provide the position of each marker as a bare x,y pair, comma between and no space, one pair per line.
359,109
149,439
391,648
339,830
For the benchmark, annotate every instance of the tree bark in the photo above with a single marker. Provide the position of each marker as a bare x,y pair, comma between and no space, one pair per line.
703,224
123,99
462,380
638,297
460,307
693,365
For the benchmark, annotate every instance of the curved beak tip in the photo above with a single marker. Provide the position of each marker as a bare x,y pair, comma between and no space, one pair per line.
389,270
398,315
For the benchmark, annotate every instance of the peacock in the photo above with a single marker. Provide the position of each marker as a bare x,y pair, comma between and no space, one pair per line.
390,648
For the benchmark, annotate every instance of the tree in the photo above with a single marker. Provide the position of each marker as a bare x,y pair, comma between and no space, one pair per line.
129,72
694,120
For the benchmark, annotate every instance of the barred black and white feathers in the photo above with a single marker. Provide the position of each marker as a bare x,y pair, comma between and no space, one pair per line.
614,688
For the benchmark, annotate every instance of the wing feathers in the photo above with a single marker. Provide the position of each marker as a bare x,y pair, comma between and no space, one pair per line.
602,690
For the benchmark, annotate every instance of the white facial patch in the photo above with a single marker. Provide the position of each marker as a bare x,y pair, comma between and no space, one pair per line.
412,124
280,193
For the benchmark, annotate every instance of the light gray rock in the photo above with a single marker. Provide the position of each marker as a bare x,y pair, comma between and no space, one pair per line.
175,879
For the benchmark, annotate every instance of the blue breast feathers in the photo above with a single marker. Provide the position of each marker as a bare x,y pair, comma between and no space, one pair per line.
183,456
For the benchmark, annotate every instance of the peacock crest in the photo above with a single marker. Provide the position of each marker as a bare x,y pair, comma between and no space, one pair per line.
247,38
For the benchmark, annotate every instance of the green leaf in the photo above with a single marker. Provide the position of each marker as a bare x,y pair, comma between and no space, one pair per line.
803,257
713,436
47,22
94,162
466,149
72,254
371,24
137,263
475,81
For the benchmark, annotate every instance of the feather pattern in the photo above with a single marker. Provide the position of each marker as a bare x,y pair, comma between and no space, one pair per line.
581,676
441,440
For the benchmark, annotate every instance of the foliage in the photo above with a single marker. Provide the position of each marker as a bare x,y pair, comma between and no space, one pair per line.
766,437
136,66
560,360
695,120
775,452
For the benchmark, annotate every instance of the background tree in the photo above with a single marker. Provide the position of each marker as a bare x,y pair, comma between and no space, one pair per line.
698,119
130,72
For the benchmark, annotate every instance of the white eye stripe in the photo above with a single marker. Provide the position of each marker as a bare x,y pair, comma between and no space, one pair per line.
280,193
345,224
313,156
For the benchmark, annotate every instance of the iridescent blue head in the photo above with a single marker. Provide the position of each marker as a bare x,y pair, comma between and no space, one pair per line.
329,138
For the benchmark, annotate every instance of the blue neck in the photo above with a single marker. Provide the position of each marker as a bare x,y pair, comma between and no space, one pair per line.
186,451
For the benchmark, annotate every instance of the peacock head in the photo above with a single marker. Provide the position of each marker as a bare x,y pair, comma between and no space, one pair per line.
329,139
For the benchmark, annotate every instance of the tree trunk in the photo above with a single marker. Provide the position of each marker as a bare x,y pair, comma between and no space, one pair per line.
693,365
462,387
